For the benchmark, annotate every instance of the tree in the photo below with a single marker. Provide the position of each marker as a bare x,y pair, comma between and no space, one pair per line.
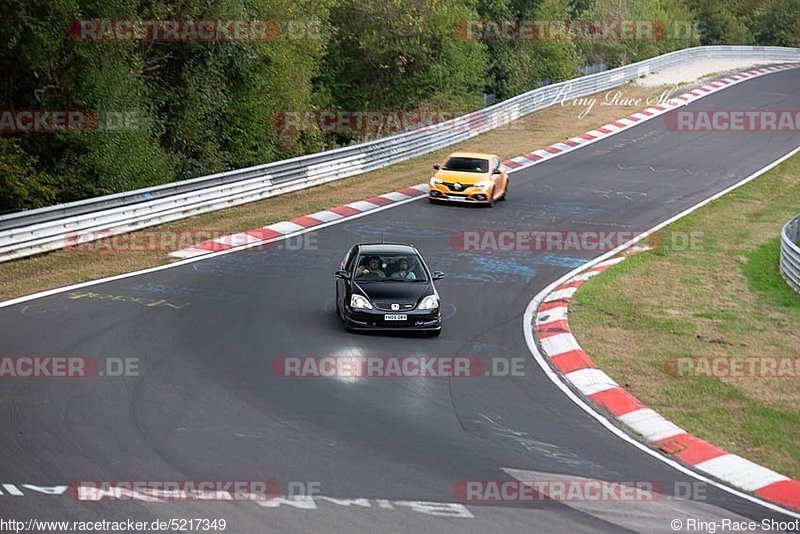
21,186
400,55
778,23
666,26
721,23
527,59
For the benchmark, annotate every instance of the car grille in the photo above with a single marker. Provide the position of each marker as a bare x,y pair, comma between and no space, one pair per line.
452,186
386,305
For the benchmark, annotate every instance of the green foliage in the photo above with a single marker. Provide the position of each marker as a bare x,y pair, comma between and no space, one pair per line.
175,110
21,186
520,65
399,54
668,27
778,23
721,23
763,22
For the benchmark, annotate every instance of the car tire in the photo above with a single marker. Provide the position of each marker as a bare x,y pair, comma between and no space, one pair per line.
341,316
339,312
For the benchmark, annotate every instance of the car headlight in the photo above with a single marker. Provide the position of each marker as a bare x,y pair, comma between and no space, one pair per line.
484,185
435,181
360,302
431,302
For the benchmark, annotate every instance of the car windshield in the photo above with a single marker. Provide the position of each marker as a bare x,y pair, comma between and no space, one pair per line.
394,267
466,165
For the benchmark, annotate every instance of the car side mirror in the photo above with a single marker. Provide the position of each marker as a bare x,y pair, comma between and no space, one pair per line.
342,274
438,275
436,167
497,171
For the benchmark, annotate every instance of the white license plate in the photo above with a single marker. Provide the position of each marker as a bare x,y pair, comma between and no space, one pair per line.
395,317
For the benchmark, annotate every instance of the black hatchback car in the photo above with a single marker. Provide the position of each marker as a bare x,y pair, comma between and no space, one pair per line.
382,286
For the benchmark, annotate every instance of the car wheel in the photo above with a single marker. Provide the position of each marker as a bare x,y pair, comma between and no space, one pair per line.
344,324
341,315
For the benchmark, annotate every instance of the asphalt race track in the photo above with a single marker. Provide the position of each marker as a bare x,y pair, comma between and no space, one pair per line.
207,405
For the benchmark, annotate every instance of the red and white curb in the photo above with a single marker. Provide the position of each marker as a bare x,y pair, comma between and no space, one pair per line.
282,229
565,355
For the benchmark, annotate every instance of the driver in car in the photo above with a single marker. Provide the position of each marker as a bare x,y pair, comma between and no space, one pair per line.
373,266
403,272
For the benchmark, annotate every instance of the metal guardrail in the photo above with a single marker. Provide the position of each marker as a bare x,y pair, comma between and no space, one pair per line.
790,253
30,232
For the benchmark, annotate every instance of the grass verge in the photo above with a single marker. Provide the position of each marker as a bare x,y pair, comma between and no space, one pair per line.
722,297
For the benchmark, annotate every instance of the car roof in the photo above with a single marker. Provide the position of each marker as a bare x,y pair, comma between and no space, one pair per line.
386,248
478,155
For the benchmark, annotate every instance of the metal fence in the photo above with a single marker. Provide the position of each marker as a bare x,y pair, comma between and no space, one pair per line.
790,253
39,230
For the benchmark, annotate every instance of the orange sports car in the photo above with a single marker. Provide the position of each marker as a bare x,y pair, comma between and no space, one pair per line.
470,177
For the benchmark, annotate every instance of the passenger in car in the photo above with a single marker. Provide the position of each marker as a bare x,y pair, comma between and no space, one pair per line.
403,271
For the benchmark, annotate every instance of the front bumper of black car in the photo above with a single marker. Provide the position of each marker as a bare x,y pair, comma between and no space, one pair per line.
415,320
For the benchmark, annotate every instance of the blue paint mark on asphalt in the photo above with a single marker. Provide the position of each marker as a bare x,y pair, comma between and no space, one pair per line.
499,268
485,268
560,260
502,265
